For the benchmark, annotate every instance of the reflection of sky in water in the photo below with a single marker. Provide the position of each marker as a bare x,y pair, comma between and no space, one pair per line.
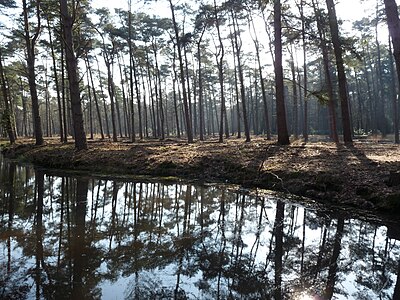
164,253
166,277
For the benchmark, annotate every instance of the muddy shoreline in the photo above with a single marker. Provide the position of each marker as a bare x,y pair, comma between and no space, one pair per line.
356,176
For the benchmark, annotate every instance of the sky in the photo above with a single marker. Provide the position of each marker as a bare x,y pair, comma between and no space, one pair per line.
346,9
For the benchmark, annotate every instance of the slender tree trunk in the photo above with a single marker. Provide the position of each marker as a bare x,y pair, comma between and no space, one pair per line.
24,108
131,70
117,103
337,47
96,102
381,118
124,100
30,60
174,82
89,91
56,81
63,94
295,100
72,68
201,105
103,98
260,72
7,116
283,136
152,106
394,30
160,108
139,105
146,123
238,46
328,79
220,64
265,101
192,116
305,83
182,76
394,98
47,104
111,91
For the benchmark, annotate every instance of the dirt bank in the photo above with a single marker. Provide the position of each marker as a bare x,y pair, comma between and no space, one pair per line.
353,176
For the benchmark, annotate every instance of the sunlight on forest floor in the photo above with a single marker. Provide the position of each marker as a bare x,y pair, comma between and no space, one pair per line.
354,175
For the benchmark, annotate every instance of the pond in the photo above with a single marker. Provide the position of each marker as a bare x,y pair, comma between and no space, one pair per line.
81,237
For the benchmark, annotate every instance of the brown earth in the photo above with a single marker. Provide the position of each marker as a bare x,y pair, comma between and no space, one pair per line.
349,176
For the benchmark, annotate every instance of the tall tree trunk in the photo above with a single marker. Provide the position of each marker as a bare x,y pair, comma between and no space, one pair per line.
174,83
191,111
394,29
328,79
131,75
24,108
56,81
182,77
337,47
72,69
295,100
160,108
89,91
260,72
381,118
220,64
96,102
63,95
394,98
124,100
103,98
305,83
30,60
283,136
238,46
201,105
111,90
7,116
151,90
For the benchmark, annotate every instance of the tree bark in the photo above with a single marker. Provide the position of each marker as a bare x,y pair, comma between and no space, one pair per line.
72,69
260,72
337,47
328,79
56,82
7,111
201,105
394,99
30,61
283,136
96,102
393,21
189,130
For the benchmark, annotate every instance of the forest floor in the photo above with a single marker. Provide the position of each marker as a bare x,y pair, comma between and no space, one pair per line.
356,176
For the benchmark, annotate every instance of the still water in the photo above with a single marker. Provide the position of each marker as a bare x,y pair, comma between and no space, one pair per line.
81,237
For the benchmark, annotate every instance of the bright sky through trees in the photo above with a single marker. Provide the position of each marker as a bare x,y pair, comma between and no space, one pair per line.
244,31
348,11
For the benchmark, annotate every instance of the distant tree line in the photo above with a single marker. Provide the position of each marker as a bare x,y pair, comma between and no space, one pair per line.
211,68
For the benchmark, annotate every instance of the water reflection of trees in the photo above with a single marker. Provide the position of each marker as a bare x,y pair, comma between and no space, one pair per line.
82,238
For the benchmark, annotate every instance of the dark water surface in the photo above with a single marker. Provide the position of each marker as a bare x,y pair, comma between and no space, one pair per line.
90,238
